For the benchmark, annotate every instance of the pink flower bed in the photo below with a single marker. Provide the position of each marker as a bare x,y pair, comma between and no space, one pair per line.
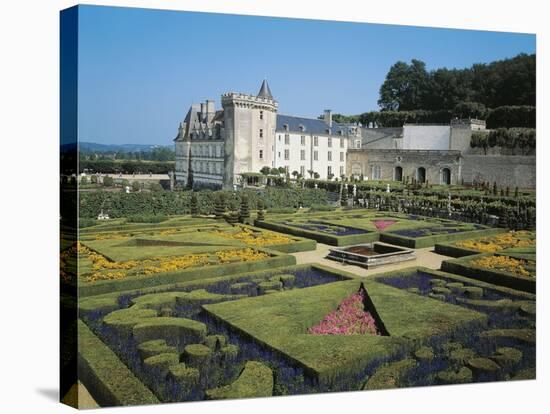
382,224
350,318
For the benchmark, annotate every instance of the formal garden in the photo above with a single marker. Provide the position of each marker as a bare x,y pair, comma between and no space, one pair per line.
194,296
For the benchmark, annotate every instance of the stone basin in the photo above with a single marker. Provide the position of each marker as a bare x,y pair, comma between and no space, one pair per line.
370,255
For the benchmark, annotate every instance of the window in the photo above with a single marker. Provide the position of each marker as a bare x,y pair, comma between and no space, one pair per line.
261,154
329,155
287,139
279,154
287,154
342,156
303,140
376,172
302,155
329,171
316,155
302,170
357,143
261,133
342,142
285,126
316,141
279,138
341,170
261,114
329,142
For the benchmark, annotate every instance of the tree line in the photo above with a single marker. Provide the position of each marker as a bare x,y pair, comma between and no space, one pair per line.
503,93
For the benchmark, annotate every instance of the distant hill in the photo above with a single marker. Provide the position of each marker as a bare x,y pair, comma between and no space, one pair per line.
95,147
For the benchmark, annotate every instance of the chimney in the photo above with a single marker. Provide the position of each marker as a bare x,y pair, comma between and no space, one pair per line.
210,111
328,117
202,115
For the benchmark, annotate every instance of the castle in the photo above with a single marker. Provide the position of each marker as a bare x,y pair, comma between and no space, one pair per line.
214,148
228,147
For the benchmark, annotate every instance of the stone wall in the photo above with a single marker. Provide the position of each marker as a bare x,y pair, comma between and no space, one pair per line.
395,164
382,138
506,170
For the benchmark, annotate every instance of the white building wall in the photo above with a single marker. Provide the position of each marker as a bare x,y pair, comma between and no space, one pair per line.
426,137
319,165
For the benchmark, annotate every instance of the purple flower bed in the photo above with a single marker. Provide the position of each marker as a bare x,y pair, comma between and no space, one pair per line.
322,227
349,319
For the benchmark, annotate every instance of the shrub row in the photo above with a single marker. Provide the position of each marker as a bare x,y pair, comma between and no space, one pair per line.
171,203
126,167
108,379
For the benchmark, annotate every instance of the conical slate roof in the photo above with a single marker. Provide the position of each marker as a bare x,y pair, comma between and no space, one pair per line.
265,92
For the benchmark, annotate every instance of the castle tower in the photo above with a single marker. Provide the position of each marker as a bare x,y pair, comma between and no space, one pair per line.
250,123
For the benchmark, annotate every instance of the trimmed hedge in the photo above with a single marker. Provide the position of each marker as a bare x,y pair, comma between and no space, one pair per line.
154,347
145,281
428,241
389,376
177,331
118,204
105,376
366,237
124,320
256,380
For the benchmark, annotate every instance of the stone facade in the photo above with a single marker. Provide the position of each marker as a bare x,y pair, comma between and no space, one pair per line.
436,167
214,148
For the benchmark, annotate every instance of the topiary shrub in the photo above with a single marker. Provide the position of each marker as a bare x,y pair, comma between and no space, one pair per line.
155,347
197,355
244,212
184,376
241,287
229,352
270,285
194,204
162,362
389,376
215,342
124,320
256,380
176,331
462,376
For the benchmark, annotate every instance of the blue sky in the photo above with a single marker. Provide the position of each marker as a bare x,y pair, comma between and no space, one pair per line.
140,69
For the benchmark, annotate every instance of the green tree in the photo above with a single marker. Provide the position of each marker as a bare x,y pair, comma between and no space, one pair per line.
108,181
404,86
265,170
344,197
136,186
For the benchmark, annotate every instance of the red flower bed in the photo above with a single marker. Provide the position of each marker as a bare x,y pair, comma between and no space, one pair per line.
382,224
350,318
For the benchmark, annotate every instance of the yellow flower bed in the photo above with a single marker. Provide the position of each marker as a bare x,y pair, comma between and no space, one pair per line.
104,269
111,236
499,242
520,267
247,236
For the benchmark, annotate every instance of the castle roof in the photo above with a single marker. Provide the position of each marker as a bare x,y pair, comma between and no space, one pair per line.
309,125
265,92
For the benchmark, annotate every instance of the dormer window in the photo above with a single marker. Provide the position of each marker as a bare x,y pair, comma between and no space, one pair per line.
302,128
285,126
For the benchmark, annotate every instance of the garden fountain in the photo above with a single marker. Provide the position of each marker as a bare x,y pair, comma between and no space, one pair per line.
371,255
